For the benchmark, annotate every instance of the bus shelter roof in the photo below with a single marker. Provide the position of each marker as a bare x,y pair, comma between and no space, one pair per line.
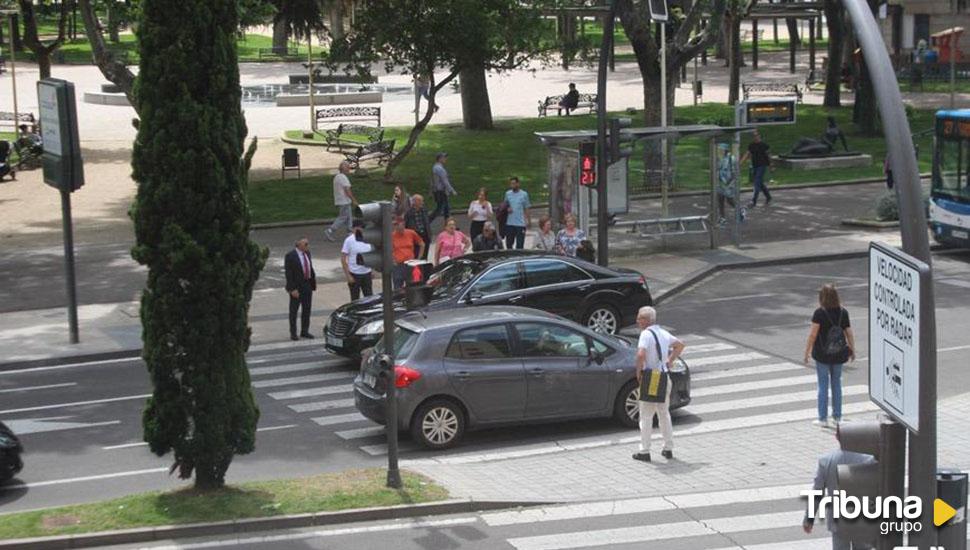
646,134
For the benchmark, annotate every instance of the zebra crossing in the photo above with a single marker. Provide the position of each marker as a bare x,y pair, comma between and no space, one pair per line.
733,387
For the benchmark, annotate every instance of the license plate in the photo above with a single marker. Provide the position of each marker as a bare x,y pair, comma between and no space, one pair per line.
335,342
957,234
370,380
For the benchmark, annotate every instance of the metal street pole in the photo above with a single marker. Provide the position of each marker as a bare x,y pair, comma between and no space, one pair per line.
602,204
664,199
69,265
309,60
912,224
953,63
13,74
387,298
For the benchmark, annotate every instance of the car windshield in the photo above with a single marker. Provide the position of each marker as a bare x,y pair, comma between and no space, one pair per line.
450,281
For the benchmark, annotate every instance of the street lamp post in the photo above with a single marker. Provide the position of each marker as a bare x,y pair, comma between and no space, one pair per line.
13,71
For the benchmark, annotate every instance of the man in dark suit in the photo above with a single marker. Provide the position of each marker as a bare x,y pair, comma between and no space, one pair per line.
301,281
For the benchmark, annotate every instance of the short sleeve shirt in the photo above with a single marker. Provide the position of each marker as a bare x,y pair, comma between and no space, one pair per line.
341,183
518,202
451,246
759,153
646,342
404,243
826,319
352,247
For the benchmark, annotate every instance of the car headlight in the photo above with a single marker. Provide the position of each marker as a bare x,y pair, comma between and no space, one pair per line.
373,327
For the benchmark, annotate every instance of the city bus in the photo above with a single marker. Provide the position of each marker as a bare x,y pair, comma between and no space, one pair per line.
949,208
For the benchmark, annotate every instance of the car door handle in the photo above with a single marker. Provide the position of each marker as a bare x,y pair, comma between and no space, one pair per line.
515,299
462,374
537,372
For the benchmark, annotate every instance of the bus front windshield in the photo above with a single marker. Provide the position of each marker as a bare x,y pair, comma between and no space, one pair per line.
950,179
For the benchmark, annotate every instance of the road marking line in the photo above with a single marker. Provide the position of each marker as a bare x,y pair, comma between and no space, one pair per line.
765,401
707,348
744,297
125,446
27,426
818,543
76,404
744,371
279,369
587,510
361,433
70,366
323,405
35,484
339,419
33,388
381,448
399,525
641,533
757,385
274,428
312,392
310,379
717,359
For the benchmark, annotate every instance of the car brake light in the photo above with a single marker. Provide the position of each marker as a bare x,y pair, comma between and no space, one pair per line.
403,376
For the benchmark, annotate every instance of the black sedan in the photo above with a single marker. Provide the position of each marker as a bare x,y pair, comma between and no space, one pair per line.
602,299
10,450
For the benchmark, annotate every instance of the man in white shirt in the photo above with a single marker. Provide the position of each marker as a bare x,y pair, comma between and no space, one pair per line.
358,276
343,199
656,350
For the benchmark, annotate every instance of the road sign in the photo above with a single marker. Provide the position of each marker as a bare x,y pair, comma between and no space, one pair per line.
896,283
62,163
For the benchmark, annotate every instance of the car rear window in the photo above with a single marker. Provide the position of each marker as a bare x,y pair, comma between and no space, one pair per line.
491,342
404,341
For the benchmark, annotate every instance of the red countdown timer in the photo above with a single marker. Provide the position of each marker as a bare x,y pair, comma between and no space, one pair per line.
587,164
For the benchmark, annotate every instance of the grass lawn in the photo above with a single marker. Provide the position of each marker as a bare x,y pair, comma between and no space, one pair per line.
486,159
323,493
938,86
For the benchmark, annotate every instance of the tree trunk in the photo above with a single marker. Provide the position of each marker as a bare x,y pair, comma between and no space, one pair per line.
418,128
113,24
722,47
651,117
32,40
337,19
114,70
734,88
793,30
833,75
280,33
18,44
476,110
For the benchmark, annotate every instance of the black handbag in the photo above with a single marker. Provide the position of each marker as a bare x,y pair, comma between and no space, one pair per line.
653,383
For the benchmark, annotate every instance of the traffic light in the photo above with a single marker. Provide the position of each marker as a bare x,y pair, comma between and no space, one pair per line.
587,164
619,148
885,440
376,217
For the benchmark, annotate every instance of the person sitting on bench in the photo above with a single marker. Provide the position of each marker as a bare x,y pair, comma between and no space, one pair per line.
571,100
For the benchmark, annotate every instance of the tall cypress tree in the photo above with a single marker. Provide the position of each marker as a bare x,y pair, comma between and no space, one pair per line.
192,231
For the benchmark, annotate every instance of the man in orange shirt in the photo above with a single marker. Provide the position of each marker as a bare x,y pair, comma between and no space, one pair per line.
404,242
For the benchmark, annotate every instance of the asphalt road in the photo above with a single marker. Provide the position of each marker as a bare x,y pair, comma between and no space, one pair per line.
81,423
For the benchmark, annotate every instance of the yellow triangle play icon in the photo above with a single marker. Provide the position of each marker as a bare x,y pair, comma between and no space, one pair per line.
942,512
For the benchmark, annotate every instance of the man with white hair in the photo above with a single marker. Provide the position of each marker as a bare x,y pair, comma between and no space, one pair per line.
656,352
343,199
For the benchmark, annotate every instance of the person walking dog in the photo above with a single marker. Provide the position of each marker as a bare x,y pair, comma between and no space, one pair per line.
830,343
656,352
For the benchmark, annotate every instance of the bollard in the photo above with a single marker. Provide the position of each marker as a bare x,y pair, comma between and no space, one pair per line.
951,487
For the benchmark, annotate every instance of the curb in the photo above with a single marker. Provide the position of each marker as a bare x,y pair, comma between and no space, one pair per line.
167,532
301,141
872,224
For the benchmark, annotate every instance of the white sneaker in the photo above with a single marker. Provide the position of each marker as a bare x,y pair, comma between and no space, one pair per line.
833,423
820,423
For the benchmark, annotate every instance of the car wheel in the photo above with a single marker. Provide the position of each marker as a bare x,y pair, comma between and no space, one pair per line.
626,410
438,424
603,319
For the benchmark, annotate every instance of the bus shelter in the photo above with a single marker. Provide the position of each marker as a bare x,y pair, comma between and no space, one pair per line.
567,196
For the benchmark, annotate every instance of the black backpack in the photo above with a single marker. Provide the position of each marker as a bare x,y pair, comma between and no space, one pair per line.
835,343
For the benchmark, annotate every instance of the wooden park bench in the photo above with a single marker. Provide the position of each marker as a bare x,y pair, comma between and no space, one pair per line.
352,135
382,151
7,121
280,53
771,88
551,103
330,115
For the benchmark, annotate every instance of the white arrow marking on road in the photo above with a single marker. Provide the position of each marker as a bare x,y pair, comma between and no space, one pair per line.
33,388
35,484
25,426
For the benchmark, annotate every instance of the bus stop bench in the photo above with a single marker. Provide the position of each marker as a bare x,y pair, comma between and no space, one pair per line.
381,151
771,88
551,103
352,135
343,114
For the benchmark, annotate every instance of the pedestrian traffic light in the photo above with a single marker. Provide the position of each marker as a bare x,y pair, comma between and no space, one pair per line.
885,440
587,164
620,147
376,218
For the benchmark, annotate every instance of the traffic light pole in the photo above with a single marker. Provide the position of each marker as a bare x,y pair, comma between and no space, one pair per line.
387,298
912,224
602,167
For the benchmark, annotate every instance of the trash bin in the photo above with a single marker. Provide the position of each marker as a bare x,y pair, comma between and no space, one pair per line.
951,488
699,88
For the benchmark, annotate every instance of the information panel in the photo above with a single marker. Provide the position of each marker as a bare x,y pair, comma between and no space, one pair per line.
895,283
763,111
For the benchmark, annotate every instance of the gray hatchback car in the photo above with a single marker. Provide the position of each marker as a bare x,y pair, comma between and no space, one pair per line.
466,368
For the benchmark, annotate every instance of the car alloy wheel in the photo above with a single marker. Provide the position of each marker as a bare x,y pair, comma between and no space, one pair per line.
439,425
631,405
626,406
603,320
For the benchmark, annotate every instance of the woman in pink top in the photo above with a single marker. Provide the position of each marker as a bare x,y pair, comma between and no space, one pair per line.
450,243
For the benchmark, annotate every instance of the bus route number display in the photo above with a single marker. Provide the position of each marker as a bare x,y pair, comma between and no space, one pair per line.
757,112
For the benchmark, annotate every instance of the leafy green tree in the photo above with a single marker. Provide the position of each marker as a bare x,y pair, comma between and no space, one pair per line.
192,232
295,18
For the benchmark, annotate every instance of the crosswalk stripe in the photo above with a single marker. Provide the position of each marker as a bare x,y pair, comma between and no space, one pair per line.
312,392
765,401
381,448
280,369
338,419
647,533
588,510
732,358
752,386
745,371
708,348
361,433
303,379
818,543
323,405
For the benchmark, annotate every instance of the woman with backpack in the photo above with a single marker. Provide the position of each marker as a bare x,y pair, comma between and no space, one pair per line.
830,343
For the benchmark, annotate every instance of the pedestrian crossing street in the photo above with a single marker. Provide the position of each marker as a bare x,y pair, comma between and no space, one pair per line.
733,387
